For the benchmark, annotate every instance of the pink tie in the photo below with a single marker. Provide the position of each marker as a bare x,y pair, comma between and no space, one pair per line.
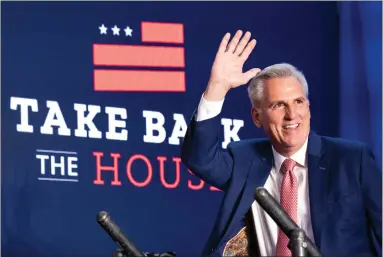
289,202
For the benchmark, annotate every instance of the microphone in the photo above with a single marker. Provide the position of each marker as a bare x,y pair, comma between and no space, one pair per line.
105,221
280,216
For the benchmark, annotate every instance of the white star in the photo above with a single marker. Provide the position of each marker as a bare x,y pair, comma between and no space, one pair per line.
116,30
103,29
128,31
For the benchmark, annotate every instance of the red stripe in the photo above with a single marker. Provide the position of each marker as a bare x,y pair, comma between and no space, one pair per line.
141,56
140,81
160,32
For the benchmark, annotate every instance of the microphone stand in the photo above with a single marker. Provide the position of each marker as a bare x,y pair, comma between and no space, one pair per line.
298,243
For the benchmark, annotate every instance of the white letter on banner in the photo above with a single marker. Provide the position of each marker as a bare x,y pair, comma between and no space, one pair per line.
151,127
179,129
60,165
113,123
72,164
42,162
83,120
231,133
24,104
50,120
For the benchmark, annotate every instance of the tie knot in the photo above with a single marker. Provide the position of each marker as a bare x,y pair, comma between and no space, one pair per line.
288,165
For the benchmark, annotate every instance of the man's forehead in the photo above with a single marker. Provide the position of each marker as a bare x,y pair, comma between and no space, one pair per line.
291,91
283,91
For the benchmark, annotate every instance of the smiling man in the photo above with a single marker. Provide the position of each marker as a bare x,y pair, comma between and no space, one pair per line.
279,95
331,187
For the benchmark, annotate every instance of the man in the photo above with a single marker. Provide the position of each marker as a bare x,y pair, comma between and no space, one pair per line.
330,187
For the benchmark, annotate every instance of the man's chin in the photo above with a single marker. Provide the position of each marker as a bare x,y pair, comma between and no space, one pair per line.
293,144
290,143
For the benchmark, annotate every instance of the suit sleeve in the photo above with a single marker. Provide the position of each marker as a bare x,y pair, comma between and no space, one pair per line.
202,152
371,183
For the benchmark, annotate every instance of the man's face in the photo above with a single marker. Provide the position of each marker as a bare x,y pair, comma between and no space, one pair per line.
284,114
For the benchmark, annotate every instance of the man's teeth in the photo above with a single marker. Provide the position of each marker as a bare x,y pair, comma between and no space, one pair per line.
290,126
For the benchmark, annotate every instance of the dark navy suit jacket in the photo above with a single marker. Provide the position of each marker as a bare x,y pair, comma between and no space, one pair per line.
345,187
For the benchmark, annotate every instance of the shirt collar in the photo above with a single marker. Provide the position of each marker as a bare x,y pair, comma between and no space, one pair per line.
299,157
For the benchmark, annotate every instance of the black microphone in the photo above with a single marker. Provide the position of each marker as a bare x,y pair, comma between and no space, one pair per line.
105,221
280,216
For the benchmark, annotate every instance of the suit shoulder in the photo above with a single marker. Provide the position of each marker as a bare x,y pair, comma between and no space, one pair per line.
342,144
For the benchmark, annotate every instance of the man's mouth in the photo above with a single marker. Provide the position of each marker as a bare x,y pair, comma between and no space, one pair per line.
291,126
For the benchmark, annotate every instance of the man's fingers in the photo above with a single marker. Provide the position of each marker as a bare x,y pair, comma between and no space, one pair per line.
233,43
245,39
248,49
223,44
247,76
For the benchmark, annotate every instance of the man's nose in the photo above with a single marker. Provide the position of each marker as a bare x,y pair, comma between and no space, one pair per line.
290,113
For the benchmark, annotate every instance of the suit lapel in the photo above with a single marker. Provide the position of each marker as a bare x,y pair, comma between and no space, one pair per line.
317,178
260,169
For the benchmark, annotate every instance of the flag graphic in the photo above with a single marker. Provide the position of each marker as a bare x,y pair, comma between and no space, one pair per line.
124,68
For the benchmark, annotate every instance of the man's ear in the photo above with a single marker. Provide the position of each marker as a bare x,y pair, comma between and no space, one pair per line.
255,114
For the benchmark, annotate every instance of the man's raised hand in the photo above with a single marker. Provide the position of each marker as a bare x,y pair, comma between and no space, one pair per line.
226,72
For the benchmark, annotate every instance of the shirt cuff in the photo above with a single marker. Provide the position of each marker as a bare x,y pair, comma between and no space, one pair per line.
208,109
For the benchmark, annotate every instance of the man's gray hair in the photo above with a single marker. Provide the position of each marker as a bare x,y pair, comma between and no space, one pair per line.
257,84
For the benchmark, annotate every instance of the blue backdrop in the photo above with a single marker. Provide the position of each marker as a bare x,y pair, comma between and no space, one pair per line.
361,73
54,181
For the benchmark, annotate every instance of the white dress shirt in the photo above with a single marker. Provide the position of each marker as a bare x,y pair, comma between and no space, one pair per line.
266,228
